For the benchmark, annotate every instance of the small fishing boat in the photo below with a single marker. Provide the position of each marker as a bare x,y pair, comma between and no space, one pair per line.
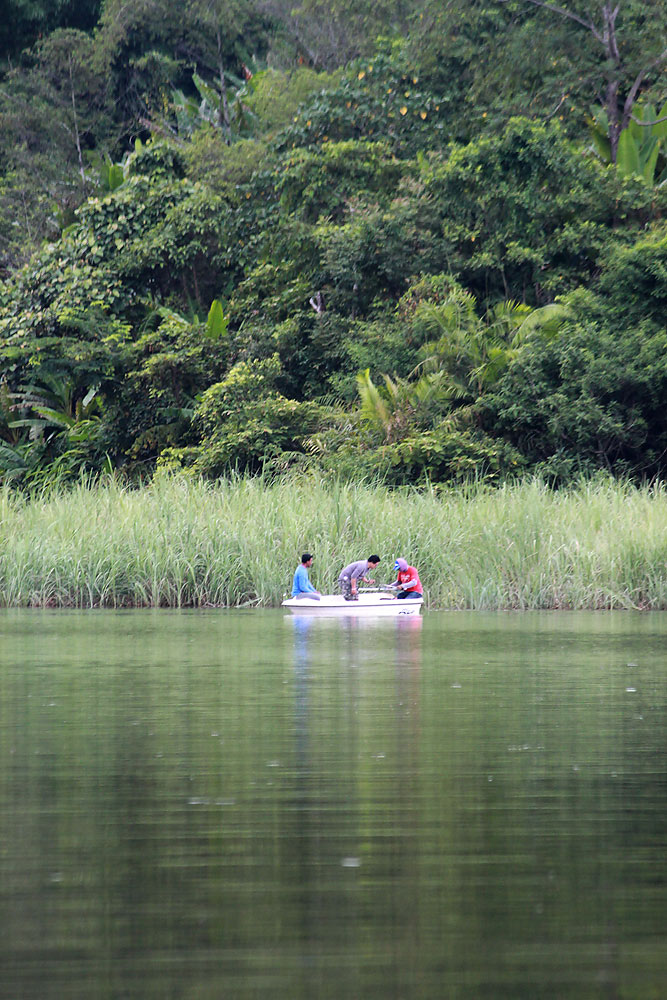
369,604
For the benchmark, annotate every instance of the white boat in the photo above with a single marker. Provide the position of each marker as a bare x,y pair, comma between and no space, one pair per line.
367,605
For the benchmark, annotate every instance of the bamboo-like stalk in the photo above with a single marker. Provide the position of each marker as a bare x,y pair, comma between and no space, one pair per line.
181,543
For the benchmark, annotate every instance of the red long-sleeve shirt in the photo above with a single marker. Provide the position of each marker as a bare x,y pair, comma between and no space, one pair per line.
411,576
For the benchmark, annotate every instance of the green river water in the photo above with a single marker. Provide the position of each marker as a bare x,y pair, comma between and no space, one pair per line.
239,804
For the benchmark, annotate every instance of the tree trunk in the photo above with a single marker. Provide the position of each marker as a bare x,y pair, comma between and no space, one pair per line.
196,285
611,96
606,36
224,106
614,126
77,137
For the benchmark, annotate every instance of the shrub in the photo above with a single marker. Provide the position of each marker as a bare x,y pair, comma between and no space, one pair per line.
523,214
591,398
376,98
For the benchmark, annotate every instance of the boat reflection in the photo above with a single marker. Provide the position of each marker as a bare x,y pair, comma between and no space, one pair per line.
365,672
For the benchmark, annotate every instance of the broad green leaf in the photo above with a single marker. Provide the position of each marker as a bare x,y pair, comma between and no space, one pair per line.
650,114
90,395
660,130
115,176
208,93
627,156
636,130
216,324
648,160
57,417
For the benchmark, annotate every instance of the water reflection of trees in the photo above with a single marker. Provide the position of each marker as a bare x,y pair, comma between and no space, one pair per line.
240,806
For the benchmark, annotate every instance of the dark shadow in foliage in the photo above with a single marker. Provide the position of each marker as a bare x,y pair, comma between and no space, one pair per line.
594,396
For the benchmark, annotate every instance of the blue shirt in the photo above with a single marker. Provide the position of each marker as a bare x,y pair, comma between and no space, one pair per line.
302,584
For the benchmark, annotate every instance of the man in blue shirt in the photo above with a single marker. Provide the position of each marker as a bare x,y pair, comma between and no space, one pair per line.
302,587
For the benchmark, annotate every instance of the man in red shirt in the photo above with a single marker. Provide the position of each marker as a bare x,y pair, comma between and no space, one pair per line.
407,582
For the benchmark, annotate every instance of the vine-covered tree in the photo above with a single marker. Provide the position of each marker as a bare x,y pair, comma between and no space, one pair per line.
631,40
504,57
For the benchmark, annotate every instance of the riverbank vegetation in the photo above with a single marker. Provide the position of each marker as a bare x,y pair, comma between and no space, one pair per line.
255,257
415,243
182,543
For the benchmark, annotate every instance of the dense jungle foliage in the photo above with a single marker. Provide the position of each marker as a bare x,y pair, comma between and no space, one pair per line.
375,240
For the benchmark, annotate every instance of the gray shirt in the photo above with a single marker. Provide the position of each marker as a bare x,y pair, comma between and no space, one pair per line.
355,570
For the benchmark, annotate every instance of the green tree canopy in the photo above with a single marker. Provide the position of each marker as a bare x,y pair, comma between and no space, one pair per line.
549,59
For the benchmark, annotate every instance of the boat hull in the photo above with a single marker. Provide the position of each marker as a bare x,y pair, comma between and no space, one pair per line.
367,605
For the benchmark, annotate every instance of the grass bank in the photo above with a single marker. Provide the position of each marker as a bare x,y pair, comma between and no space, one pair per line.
177,543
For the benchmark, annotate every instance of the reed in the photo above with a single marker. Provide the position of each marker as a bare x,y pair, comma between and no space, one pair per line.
180,543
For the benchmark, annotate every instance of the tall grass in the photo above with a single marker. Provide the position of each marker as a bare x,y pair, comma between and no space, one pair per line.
180,543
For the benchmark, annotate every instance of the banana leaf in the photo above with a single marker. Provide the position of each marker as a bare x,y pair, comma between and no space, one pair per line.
207,93
660,130
637,130
648,159
627,155
217,322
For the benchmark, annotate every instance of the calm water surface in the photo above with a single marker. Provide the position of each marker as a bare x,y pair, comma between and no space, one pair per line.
237,804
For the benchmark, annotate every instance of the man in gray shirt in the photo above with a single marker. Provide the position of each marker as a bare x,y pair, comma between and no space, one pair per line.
354,574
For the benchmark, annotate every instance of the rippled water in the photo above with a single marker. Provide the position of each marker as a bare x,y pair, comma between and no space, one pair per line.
242,805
